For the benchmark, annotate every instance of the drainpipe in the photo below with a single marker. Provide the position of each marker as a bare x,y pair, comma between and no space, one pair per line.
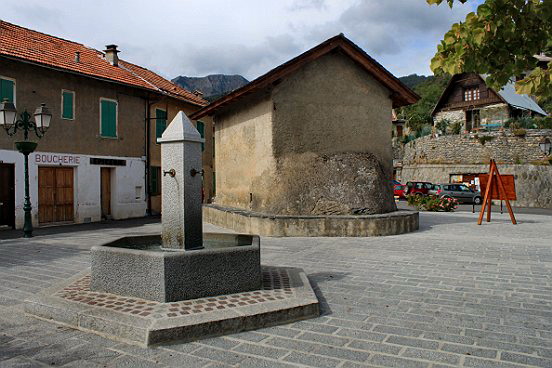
147,149
149,104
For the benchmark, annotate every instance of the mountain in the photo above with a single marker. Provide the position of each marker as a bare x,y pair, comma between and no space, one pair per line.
413,80
212,86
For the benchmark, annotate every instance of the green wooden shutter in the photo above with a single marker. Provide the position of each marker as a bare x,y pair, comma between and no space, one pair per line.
109,119
201,130
6,90
67,108
160,122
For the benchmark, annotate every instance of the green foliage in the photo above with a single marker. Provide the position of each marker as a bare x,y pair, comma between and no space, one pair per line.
426,130
429,89
443,125
456,127
546,104
407,138
416,122
500,40
432,203
484,139
520,132
544,122
413,80
529,123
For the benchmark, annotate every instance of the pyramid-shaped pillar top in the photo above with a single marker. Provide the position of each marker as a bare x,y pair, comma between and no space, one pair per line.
181,129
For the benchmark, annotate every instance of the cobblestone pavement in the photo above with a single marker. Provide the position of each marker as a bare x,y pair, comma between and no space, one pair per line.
451,294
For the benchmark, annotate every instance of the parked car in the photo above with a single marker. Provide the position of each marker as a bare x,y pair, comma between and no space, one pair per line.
460,192
398,190
417,188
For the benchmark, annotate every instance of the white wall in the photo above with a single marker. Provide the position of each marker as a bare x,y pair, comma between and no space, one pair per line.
127,187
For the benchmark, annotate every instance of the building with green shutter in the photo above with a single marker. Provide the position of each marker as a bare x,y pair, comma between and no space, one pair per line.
161,114
96,160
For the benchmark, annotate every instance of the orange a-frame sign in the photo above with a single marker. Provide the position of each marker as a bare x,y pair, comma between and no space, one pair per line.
496,186
509,186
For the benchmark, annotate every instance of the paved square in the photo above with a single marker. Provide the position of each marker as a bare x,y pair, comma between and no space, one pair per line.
451,294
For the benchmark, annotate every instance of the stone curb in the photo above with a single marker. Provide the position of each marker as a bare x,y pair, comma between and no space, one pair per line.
150,331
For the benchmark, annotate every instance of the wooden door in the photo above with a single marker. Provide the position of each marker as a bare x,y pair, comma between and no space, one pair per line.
106,192
7,195
64,194
55,194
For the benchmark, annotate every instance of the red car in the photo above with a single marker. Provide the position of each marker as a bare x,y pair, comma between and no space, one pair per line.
398,190
417,188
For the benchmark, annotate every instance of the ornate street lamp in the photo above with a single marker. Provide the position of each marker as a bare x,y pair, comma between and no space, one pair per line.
9,121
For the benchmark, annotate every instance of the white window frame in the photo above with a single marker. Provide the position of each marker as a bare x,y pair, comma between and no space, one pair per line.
116,118
155,118
14,88
472,94
74,103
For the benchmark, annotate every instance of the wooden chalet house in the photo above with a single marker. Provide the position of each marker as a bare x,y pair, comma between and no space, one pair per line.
467,99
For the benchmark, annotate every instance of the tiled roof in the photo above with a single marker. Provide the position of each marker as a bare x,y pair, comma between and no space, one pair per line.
22,43
163,84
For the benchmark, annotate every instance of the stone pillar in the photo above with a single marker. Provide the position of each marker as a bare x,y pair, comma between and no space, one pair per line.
181,169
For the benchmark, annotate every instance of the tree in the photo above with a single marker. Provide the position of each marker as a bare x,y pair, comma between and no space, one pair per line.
500,40
418,115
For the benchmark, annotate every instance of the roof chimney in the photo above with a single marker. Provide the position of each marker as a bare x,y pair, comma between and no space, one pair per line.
198,93
77,57
111,54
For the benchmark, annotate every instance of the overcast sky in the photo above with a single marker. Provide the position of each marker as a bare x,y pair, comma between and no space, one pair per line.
247,37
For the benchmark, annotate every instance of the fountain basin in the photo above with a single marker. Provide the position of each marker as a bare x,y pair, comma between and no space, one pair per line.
137,266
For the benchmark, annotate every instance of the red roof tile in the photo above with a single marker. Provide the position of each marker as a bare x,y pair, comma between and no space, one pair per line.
36,47
162,84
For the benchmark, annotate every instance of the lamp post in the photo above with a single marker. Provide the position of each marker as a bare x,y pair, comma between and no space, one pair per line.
545,146
9,121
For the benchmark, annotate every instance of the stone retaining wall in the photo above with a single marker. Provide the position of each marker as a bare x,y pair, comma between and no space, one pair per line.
533,182
503,146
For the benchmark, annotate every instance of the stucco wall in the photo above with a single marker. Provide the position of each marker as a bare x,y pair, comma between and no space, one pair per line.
127,186
533,182
277,147
36,85
331,106
243,151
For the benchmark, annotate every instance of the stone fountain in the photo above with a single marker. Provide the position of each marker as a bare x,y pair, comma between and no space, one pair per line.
182,284
184,263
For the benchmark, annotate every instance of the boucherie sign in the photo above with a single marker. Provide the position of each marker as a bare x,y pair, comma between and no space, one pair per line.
56,159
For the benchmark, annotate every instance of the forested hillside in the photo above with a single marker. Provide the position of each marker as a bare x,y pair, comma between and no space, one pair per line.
429,88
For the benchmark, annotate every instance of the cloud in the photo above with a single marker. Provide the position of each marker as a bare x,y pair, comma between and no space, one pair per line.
185,37
389,27
227,58
307,4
